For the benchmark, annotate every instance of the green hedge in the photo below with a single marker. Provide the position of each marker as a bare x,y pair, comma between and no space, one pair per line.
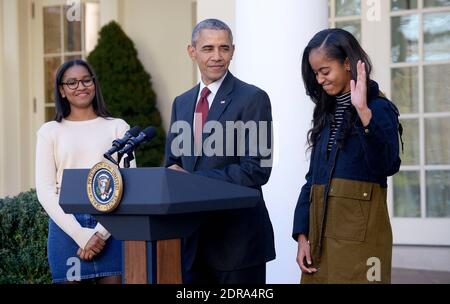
23,240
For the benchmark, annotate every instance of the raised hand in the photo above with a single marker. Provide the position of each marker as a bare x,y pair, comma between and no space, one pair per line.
359,94
359,89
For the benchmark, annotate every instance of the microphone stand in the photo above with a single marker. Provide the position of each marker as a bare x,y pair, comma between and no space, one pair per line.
128,159
119,159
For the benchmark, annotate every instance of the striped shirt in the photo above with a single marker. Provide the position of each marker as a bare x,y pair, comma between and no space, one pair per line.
343,102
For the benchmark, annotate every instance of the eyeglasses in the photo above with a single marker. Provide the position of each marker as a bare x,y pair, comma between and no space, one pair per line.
74,83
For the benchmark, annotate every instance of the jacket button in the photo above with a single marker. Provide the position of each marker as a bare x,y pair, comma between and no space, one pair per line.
366,131
365,194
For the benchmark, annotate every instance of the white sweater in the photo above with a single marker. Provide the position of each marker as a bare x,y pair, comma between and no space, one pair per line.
71,145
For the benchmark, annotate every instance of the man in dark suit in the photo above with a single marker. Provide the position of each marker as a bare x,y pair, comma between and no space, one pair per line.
231,247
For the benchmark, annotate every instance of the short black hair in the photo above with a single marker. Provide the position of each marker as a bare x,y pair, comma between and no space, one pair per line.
210,24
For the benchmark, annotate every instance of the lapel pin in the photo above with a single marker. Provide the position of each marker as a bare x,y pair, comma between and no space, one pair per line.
222,102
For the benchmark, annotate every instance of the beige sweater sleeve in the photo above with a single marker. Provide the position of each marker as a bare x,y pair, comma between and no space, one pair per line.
46,188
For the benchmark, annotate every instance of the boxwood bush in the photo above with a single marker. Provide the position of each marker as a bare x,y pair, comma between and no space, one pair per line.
23,240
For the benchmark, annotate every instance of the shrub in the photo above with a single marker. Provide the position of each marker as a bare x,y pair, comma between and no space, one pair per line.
23,240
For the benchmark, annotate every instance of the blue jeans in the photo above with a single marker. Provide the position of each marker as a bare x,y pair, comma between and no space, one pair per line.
66,266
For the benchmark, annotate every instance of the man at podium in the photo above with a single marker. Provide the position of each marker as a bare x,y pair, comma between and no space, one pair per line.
229,139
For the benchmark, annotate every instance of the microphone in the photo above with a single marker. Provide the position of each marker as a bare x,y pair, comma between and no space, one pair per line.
146,135
120,142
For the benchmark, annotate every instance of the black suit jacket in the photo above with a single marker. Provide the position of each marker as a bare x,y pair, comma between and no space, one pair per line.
229,240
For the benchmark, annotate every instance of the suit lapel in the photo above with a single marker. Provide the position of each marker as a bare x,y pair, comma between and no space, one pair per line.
219,104
222,99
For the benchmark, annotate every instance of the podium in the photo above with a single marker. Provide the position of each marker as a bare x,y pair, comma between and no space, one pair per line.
158,204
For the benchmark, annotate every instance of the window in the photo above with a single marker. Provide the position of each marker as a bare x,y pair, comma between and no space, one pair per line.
346,14
70,32
420,66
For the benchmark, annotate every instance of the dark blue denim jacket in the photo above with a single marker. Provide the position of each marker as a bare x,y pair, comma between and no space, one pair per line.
369,154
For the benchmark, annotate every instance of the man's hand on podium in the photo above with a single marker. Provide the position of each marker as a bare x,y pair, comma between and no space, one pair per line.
177,168
93,247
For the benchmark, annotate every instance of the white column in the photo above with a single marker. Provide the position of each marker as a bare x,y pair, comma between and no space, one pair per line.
270,38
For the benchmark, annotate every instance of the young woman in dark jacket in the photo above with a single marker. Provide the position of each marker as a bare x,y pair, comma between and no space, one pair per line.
341,219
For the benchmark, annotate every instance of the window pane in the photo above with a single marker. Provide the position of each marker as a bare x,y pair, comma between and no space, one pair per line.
438,194
405,36
51,65
354,27
72,33
411,153
405,89
437,141
52,29
397,5
407,194
348,7
74,57
436,29
436,3
49,113
437,88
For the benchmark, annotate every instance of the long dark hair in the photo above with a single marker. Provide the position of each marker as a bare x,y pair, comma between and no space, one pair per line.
338,45
63,105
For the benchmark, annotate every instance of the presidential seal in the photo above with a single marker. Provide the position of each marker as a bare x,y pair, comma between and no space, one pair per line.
104,187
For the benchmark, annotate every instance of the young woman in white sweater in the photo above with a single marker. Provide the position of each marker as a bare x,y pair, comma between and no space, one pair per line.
79,248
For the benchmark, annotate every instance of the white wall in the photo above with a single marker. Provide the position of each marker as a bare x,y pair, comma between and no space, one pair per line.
17,167
161,30
219,9
27,134
110,10
224,10
2,110
10,102
270,38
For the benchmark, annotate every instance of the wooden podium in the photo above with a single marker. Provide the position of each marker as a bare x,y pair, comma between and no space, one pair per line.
158,205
